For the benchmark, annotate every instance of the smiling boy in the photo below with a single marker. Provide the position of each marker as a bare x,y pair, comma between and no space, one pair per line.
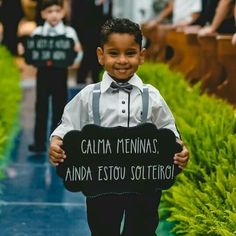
120,104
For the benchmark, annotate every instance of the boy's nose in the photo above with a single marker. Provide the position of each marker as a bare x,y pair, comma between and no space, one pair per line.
122,59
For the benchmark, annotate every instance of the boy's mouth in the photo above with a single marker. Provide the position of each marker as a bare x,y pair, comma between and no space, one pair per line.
122,70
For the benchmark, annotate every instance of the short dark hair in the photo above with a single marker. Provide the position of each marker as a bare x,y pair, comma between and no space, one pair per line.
120,25
48,3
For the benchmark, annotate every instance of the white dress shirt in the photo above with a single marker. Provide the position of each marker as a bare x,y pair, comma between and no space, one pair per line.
114,108
60,29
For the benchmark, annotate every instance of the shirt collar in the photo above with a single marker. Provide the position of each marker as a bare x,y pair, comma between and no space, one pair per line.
107,80
59,28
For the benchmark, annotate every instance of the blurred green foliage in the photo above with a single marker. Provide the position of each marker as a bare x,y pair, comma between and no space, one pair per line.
10,95
203,199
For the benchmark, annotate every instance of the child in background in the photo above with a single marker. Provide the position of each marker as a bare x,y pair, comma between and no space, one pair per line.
51,81
120,53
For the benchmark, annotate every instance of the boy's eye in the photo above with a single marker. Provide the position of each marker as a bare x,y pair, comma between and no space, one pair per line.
131,53
113,53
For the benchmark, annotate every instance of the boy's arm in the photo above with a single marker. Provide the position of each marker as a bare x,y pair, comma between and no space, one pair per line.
56,153
79,57
71,33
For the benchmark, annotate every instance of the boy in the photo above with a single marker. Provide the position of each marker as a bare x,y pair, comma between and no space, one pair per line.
120,53
51,81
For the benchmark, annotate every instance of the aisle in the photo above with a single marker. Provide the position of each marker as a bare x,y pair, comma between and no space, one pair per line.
33,200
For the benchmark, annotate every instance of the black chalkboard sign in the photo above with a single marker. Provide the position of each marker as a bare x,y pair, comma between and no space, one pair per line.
119,160
57,51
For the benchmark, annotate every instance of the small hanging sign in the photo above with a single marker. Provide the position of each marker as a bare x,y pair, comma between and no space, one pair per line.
57,51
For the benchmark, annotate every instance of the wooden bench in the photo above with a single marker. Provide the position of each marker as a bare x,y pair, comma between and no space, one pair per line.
227,57
156,50
213,70
174,39
187,53
192,64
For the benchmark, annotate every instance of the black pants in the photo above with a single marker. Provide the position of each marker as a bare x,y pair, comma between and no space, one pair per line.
50,82
87,19
89,63
105,214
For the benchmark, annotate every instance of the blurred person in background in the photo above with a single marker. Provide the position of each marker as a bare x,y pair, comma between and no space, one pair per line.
218,17
183,13
163,14
87,17
51,81
10,15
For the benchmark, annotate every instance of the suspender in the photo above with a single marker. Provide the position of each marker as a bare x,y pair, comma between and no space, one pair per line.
96,101
145,99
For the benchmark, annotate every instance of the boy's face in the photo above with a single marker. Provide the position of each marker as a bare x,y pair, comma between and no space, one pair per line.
121,55
53,14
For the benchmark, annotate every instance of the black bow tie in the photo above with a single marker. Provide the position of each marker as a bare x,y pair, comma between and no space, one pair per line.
126,87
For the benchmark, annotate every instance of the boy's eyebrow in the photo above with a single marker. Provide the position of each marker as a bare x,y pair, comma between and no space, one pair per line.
114,48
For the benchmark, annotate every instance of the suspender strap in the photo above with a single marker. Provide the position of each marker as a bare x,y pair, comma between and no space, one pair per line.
95,103
145,98
96,100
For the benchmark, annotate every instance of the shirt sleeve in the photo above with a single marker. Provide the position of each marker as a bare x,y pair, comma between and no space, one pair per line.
75,115
161,114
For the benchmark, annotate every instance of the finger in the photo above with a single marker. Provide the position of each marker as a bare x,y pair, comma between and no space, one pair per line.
57,156
53,162
181,159
56,149
58,143
57,152
181,165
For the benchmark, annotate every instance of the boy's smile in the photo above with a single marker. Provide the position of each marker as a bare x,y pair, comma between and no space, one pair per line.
121,55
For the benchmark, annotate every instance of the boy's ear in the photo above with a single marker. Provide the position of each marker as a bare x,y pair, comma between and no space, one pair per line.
43,14
100,56
142,55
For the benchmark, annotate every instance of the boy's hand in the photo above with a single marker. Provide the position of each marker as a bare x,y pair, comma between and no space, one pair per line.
181,158
56,153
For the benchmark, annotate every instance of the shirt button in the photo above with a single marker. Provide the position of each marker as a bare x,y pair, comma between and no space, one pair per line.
123,111
123,102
